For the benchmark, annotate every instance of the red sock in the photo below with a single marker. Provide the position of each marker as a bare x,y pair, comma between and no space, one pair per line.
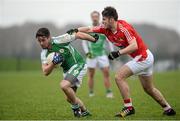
128,103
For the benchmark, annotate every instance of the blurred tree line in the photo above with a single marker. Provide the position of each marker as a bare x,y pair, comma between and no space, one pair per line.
20,42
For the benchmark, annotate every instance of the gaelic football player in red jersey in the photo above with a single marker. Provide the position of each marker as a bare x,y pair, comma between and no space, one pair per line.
123,35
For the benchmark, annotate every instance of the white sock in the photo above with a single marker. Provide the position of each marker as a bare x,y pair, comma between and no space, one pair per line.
167,107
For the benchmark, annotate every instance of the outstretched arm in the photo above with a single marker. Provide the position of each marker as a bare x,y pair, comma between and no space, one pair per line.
94,29
84,36
72,35
89,29
85,29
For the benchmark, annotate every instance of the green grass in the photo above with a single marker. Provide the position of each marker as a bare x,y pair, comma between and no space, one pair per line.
29,95
9,64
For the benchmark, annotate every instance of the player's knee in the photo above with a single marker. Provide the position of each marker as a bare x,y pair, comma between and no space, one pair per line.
106,73
119,77
63,85
91,75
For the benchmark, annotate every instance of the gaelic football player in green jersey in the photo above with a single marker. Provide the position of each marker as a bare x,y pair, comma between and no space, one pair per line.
96,57
74,67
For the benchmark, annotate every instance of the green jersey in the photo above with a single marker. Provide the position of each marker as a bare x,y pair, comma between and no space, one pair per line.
61,44
98,48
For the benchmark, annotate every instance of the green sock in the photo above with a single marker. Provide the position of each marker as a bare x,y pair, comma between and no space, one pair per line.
108,90
91,91
75,106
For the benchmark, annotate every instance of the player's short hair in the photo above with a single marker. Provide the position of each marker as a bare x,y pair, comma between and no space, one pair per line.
95,12
43,32
110,12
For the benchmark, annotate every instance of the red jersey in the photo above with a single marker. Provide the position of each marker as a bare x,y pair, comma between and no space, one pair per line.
121,38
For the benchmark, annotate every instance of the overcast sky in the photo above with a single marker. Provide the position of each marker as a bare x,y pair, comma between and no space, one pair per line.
160,12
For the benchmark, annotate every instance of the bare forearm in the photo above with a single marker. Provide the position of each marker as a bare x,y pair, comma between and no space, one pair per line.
85,29
129,49
47,69
84,36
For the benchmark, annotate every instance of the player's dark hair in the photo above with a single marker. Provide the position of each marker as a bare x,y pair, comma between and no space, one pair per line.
43,32
110,12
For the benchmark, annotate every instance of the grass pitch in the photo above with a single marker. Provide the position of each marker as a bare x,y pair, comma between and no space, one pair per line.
29,95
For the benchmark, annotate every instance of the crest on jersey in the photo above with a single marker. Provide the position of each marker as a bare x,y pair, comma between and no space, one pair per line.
61,50
75,72
120,39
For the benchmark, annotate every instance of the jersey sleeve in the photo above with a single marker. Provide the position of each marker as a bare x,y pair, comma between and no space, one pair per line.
99,29
63,38
43,56
85,46
111,47
127,33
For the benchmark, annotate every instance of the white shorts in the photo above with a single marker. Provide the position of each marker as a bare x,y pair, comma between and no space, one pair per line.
100,61
144,67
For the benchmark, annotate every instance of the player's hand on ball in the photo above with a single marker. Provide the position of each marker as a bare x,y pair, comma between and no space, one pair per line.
89,55
72,31
57,58
113,55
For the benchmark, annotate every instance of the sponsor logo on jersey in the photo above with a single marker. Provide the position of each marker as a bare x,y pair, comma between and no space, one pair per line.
75,72
120,39
61,50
